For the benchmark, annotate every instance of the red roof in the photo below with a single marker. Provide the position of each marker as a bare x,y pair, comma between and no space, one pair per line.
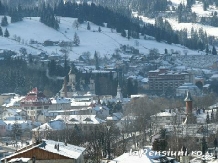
35,97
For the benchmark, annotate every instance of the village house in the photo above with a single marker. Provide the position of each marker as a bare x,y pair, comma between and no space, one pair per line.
35,103
12,114
42,131
100,111
59,103
86,122
49,151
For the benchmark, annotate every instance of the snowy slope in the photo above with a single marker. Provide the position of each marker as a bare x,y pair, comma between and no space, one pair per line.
198,9
104,42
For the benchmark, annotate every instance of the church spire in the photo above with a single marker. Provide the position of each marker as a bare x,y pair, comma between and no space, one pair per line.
188,101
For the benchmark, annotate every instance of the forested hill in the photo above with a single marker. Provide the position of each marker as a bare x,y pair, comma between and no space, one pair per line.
127,26
18,77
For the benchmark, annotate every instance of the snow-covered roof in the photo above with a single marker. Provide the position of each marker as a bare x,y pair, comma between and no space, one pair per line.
13,101
20,160
82,103
70,151
113,118
51,125
144,80
44,127
80,119
214,76
164,114
59,100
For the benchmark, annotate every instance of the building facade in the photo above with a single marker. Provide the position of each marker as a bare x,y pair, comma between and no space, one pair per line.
162,80
35,103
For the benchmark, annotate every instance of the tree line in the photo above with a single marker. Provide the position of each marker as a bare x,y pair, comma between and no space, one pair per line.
18,77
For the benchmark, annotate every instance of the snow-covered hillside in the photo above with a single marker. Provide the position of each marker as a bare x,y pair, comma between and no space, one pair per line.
198,9
104,42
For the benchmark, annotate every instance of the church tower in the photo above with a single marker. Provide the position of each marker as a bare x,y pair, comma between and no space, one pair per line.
119,96
72,80
190,118
188,102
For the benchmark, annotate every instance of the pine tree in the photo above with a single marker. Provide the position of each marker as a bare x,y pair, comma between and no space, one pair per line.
76,39
16,130
76,24
6,33
123,33
88,26
1,33
99,29
214,52
96,61
4,21
129,34
207,49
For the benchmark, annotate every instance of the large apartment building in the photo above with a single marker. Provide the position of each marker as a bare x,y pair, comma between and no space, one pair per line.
163,79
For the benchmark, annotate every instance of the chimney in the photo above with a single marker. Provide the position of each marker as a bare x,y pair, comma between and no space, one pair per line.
188,101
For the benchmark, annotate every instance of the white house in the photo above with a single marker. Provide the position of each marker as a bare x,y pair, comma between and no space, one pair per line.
183,89
85,122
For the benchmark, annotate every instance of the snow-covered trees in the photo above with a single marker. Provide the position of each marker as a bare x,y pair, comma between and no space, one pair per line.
16,131
214,52
48,18
6,33
76,39
1,33
88,26
76,24
4,21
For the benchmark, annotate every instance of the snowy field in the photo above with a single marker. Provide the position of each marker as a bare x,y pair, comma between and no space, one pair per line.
198,9
104,42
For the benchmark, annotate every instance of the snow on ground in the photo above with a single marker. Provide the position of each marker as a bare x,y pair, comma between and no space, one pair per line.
198,9
104,42
177,2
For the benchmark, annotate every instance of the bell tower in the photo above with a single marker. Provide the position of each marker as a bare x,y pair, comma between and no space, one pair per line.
190,118
188,102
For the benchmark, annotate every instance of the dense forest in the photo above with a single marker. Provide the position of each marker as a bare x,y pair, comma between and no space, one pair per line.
18,77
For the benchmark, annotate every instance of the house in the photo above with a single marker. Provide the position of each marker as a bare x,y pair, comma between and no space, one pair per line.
59,103
25,125
85,122
49,151
5,96
12,114
184,88
11,100
35,103
42,131
161,119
